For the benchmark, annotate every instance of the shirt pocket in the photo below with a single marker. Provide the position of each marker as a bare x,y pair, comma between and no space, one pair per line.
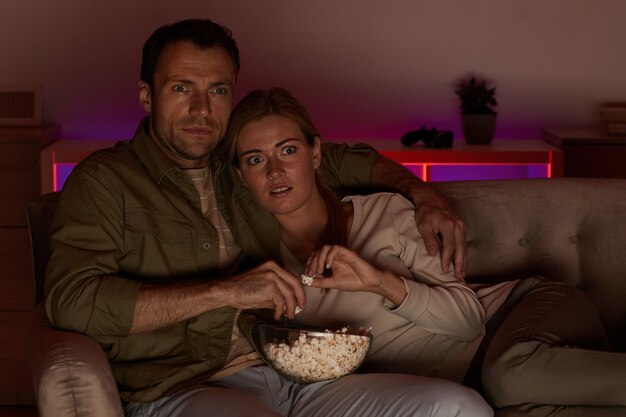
159,245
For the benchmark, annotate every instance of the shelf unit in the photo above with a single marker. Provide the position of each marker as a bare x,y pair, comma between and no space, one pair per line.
504,152
58,159
19,183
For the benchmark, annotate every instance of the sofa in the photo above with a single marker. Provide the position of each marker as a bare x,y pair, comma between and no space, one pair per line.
566,229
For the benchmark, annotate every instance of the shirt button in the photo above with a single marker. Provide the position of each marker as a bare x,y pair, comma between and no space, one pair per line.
206,245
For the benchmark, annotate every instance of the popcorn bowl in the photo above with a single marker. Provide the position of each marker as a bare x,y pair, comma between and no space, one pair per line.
307,355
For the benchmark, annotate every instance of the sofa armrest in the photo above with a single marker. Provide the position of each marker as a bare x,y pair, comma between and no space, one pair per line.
71,374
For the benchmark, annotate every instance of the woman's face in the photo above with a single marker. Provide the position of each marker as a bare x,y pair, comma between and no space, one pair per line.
278,165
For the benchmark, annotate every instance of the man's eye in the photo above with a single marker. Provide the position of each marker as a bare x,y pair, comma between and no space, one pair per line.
220,91
180,88
288,150
254,160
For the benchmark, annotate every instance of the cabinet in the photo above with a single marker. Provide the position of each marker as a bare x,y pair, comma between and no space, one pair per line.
589,152
19,183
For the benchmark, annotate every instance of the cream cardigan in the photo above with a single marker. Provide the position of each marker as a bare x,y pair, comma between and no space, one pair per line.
439,325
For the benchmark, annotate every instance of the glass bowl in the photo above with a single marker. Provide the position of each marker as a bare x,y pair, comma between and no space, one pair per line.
307,355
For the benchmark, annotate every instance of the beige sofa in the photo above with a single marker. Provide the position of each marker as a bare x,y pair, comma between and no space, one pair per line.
567,229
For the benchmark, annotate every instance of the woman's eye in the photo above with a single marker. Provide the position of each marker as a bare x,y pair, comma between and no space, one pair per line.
288,150
254,160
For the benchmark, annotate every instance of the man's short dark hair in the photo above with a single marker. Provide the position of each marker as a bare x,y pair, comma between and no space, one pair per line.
204,33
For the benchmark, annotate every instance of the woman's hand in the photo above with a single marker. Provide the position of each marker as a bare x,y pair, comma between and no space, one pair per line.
350,272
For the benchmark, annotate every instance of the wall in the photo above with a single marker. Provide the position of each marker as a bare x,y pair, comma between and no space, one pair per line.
365,68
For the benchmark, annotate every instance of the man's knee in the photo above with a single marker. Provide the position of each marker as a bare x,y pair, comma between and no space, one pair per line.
198,401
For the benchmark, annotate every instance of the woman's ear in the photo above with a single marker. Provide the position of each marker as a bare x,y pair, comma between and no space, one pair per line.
317,152
145,96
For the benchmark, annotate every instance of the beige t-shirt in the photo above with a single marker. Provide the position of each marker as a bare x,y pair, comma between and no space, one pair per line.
228,249
242,354
440,324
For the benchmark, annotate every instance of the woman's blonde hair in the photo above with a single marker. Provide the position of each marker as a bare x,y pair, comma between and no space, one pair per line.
280,102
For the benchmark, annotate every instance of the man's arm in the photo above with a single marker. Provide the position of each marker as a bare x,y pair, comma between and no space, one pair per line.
266,286
433,214
93,235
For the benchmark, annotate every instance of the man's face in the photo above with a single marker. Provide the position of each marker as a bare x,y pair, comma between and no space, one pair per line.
190,102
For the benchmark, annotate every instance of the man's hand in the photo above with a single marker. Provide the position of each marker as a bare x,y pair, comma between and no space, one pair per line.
266,286
435,224
434,216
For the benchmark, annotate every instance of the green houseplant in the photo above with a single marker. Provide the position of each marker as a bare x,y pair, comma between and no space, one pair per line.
478,116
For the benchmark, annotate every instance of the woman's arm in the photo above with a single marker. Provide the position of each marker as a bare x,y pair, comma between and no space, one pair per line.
360,166
442,305
392,262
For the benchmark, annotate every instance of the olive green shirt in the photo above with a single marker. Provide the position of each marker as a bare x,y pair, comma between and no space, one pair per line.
128,215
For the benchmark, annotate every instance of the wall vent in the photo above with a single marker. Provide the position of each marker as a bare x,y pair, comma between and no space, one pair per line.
21,104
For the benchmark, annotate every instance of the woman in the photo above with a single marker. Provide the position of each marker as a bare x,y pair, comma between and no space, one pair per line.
370,268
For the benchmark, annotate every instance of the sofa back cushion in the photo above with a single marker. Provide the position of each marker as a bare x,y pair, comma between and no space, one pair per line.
567,229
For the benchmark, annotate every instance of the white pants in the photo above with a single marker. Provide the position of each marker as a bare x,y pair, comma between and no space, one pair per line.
261,392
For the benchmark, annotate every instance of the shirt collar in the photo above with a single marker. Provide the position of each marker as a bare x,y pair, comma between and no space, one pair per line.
151,155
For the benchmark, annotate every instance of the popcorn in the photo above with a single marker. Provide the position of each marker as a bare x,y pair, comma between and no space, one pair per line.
298,310
307,280
319,356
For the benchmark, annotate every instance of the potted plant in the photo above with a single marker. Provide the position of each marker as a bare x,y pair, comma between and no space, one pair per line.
477,110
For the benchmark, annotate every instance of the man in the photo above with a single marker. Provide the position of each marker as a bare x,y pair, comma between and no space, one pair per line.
145,241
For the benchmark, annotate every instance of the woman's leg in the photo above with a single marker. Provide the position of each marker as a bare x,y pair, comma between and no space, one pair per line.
550,350
260,391
389,395
372,395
